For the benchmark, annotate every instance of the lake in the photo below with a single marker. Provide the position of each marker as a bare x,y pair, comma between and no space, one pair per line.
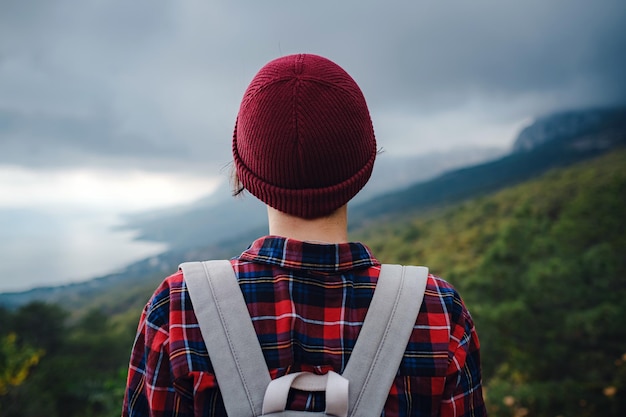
43,247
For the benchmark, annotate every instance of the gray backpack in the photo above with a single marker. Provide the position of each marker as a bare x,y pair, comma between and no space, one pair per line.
241,371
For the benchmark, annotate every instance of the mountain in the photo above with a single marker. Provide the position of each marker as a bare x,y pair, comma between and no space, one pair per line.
550,142
220,216
602,128
208,221
207,230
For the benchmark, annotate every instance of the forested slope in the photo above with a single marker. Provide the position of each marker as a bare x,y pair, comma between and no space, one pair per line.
542,268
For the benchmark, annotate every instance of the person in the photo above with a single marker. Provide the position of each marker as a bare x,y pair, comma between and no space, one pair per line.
304,145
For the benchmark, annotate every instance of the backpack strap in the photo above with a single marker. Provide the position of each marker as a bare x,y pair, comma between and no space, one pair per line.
229,335
238,360
380,346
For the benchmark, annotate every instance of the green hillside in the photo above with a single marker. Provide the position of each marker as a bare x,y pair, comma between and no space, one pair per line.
542,268
540,265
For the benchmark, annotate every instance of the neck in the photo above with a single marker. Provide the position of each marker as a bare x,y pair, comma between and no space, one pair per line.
330,229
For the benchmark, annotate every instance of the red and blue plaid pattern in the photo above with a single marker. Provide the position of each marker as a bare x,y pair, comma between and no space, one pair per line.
307,302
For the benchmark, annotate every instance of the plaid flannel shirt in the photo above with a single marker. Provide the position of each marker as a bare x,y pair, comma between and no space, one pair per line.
307,302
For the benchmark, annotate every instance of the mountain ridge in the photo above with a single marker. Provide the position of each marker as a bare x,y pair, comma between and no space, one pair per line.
526,162
220,216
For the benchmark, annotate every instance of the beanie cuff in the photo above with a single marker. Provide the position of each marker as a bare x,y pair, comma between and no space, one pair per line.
308,203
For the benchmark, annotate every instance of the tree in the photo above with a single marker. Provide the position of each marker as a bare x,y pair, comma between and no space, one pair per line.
15,362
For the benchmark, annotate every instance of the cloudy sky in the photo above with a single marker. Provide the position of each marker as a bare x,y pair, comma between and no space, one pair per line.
130,105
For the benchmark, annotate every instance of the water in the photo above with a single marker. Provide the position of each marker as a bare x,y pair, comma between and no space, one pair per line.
40,247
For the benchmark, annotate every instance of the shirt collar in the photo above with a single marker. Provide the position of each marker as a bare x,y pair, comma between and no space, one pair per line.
295,254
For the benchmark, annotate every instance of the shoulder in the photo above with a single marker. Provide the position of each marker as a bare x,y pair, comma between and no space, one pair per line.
442,324
166,296
440,294
462,338
444,311
170,322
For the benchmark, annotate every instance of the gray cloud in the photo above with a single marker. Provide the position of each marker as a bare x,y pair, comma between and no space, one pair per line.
158,83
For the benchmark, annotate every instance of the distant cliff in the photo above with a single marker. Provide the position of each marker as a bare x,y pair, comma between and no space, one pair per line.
584,129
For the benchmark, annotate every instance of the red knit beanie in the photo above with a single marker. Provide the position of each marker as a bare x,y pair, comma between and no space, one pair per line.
304,142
